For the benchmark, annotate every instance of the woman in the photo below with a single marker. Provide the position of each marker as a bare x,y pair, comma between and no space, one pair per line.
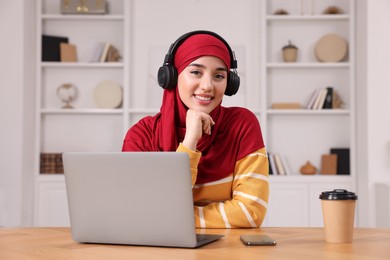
228,160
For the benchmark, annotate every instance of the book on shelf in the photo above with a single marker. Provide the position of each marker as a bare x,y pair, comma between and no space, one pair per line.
324,98
96,52
343,163
103,56
328,102
68,52
51,163
313,98
320,99
272,164
270,172
51,47
104,52
278,164
285,164
329,164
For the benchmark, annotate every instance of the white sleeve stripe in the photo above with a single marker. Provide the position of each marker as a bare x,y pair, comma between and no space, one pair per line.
257,153
224,180
223,214
252,175
246,212
254,198
201,217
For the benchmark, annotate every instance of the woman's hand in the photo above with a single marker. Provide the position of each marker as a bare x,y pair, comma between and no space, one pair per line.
197,124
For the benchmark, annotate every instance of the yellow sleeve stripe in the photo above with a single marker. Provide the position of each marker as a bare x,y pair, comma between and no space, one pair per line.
251,175
223,214
246,212
201,217
251,197
221,181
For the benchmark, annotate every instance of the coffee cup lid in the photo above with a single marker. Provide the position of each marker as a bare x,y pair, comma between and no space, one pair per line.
338,194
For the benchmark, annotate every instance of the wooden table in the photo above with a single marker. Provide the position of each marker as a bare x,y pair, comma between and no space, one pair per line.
293,243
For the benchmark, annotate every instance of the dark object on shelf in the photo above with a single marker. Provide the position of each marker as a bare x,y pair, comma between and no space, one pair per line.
270,171
333,10
83,7
51,163
328,102
343,165
281,12
290,52
51,47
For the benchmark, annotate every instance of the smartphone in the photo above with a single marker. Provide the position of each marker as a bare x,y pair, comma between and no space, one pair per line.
257,240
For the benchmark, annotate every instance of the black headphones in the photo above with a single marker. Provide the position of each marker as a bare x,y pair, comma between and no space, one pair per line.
167,73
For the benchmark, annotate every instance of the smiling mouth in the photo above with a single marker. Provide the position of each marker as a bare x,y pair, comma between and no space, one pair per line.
203,98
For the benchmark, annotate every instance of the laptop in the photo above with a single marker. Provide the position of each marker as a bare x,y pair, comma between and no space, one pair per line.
132,198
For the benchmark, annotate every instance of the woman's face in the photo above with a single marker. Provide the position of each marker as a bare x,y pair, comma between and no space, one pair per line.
202,83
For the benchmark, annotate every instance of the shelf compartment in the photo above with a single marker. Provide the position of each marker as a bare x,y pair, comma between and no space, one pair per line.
281,32
85,80
304,9
306,138
87,36
297,85
98,132
53,8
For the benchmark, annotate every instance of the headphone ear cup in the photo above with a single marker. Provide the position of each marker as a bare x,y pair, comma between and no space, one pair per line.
233,84
167,76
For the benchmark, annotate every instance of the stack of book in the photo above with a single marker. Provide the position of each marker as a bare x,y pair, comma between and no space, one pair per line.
103,52
51,163
278,164
324,98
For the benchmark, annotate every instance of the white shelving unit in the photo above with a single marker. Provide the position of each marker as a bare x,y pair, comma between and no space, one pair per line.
300,134
98,129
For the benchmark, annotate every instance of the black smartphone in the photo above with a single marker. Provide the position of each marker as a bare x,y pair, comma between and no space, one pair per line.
257,240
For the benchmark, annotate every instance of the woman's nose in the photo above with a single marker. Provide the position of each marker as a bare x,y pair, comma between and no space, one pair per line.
207,83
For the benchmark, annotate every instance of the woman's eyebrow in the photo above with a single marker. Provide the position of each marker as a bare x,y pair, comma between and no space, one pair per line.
203,66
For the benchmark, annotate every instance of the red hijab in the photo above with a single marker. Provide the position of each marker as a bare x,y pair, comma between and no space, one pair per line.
236,132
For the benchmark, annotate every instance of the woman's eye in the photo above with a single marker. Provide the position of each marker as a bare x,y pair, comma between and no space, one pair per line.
195,72
220,76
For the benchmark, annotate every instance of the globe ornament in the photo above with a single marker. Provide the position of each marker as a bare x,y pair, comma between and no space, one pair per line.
67,93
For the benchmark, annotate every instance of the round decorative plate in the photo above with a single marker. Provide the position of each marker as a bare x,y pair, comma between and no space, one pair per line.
331,48
108,94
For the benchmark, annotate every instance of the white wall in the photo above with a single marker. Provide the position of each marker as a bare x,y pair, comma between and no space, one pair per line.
16,115
11,123
378,98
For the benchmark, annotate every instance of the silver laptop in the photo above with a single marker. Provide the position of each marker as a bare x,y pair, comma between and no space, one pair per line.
133,198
